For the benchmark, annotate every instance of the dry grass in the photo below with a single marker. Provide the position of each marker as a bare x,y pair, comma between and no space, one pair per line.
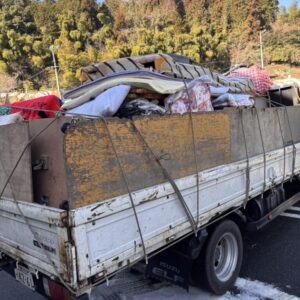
7,83
283,71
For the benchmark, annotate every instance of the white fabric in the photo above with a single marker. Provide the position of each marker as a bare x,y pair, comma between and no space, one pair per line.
10,119
217,91
233,100
105,105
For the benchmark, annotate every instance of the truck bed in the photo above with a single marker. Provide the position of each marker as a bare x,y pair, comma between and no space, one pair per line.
105,234
99,234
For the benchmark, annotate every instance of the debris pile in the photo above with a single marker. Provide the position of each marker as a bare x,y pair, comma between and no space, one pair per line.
144,85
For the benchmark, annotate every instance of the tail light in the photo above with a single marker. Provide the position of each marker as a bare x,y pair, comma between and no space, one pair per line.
55,291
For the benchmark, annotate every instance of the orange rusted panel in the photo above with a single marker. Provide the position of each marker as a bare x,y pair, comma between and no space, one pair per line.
93,173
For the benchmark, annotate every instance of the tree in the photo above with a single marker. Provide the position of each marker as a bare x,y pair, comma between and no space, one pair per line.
87,31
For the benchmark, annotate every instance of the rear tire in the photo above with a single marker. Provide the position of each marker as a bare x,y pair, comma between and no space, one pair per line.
219,266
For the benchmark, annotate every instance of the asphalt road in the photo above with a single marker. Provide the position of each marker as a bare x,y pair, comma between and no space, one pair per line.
13,290
271,255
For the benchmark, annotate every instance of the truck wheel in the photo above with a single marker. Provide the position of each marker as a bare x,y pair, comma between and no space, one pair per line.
221,261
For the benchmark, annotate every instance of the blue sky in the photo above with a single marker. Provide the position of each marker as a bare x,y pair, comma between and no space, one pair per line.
286,2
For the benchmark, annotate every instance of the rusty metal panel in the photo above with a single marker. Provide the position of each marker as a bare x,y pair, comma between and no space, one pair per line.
50,181
93,173
13,139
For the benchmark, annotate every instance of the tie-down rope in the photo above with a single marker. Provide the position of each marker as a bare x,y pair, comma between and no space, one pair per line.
170,179
292,139
283,144
194,143
127,187
247,159
263,147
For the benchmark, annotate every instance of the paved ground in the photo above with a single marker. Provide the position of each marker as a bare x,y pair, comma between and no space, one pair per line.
271,257
273,254
13,290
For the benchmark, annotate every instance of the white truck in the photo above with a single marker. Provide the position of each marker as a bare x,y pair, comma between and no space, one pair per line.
79,205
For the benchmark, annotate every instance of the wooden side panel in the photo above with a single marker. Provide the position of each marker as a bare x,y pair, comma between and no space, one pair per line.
13,139
93,173
50,182
274,123
292,115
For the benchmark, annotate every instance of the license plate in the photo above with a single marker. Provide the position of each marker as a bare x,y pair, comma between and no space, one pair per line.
24,276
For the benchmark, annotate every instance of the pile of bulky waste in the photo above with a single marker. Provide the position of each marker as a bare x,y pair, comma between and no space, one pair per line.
151,84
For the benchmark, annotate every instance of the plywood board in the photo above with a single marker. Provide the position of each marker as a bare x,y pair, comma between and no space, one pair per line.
13,140
93,173
50,182
274,124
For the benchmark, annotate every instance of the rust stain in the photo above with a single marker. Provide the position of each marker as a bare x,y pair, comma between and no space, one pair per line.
150,198
63,257
92,169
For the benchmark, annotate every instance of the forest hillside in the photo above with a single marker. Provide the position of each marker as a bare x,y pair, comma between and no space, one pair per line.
217,34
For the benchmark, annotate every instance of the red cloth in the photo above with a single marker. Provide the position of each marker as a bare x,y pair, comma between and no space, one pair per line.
261,80
43,103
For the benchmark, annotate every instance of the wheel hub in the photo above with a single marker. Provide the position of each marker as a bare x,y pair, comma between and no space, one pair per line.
225,256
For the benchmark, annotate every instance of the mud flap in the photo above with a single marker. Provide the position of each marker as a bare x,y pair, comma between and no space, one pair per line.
174,265
171,266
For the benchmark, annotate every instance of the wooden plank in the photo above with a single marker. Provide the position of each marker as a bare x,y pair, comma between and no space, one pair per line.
13,139
93,173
